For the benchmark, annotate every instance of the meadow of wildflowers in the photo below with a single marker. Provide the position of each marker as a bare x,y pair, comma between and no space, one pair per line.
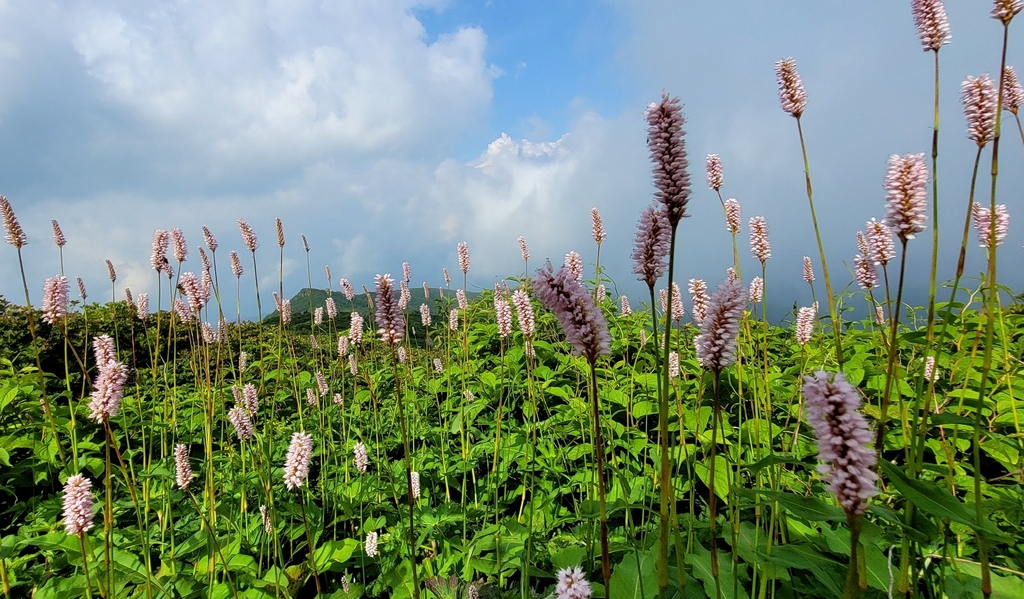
548,438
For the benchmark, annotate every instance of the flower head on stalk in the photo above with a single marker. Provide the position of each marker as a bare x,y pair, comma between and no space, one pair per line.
792,96
808,269
651,246
1004,10
931,22
503,316
1013,93
360,457
389,317
250,399
979,98
572,584
425,315
108,386
142,306
584,325
524,312
371,544
931,374
279,226
805,324
983,224
668,153
732,216
248,236
78,500
699,297
714,167
881,246
58,234
355,329
906,196
524,249
756,289
182,468
865,273
211,241
463,252
415,478
158,257
111,273
241,422
346,287
597,226
716,344
14,235
180,245
81,288
624,306
831,406
296,465
574,262
760,246
55,299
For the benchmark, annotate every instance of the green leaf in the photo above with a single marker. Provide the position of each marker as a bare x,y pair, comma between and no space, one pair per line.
334,554
808,509
635,576
936,500
700,562
568,557
721,476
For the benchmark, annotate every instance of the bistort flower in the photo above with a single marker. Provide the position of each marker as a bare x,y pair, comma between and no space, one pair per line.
296,465
906,195
716,344
668,153
78,500
584,325
832,408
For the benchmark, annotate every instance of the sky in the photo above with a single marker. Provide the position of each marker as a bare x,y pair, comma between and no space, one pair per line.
391,130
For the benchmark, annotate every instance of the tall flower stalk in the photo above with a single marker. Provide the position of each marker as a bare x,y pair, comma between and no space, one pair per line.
793,100
832,408
668,154
906,203
587,331
391,326
716,350
1004,11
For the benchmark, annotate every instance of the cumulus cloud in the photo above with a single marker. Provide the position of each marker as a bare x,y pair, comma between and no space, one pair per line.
283,82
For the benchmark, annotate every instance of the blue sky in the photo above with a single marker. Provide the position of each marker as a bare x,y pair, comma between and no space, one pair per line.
389,131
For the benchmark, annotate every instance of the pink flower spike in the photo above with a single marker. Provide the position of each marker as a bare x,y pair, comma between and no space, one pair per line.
906,195
714,168
1013,93
931,22
792,96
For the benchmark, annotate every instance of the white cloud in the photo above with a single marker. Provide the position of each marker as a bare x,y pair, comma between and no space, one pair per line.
246,83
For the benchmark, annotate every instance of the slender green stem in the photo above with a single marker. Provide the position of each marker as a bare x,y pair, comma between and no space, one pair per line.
837,326
606,566
991,301
890,374
665,481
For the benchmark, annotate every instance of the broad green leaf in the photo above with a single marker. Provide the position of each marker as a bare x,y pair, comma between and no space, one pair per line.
937,501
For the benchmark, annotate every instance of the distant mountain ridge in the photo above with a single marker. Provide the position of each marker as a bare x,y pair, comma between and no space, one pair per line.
307,300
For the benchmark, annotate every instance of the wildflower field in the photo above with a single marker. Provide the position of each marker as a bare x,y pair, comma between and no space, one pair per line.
543,438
